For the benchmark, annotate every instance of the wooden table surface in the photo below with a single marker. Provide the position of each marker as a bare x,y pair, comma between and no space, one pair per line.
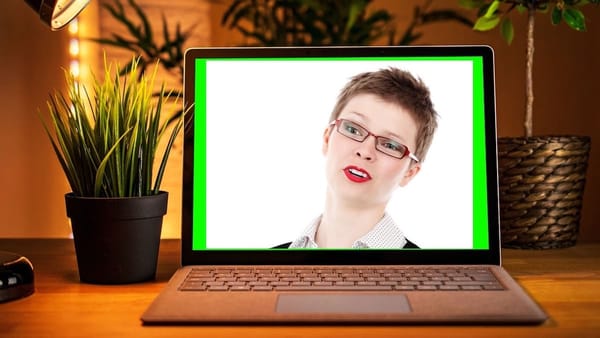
565,282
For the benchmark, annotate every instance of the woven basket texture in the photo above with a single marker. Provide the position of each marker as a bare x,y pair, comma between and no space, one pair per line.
541,190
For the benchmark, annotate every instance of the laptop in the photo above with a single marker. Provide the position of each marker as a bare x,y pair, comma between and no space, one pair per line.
257,175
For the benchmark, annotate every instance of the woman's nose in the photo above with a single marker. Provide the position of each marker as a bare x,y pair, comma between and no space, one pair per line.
366,149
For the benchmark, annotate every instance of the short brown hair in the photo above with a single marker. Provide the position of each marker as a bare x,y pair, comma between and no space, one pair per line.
398,87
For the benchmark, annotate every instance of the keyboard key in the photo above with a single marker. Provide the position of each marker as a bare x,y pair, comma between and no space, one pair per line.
262,288
345,278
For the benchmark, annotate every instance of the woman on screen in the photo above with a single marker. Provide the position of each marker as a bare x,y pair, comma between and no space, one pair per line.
379,132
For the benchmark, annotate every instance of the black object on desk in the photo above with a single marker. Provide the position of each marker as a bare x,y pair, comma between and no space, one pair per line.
16,277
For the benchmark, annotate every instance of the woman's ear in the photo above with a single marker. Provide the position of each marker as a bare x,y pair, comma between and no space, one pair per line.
410,174
326,136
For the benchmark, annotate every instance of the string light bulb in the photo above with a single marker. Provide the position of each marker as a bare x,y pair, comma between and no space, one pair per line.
74,50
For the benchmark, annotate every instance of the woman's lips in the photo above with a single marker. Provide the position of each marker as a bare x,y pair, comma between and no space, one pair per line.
356,174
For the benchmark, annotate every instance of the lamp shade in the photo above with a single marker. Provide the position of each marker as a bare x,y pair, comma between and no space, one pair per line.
57,13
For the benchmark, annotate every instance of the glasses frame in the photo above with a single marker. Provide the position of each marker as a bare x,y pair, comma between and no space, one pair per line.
338,122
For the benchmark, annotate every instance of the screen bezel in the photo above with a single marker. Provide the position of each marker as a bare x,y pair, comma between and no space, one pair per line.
312,257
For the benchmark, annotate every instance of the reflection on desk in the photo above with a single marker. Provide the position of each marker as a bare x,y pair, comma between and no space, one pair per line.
565,282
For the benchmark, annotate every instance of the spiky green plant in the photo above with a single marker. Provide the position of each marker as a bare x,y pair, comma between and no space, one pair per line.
107,143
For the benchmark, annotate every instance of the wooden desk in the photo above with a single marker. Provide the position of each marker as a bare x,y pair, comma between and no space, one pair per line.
566,282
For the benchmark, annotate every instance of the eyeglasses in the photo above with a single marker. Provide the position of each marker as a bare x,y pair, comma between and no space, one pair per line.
385,145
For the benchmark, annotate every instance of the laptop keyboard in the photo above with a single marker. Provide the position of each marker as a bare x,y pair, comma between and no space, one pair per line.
338,279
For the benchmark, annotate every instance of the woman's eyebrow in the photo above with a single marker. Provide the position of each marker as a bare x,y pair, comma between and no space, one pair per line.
395,136
386,133
360,115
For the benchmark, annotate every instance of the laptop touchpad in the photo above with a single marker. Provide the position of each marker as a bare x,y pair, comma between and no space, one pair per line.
342,303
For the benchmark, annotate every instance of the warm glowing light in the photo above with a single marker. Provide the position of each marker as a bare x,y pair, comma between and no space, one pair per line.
74,27
74,68
74,47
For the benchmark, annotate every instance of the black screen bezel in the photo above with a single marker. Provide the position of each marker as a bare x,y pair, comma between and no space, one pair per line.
344,257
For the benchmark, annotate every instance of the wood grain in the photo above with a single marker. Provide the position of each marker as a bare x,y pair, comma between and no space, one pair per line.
566,283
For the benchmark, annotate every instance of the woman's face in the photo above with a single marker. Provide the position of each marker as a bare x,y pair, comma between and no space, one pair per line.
358,173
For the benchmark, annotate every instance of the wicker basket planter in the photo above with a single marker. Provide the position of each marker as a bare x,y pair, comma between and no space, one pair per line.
541,190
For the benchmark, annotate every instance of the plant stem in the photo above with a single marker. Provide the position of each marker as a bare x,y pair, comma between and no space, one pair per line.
529,74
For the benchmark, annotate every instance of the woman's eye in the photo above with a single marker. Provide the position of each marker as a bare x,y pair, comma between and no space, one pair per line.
353,130
393,146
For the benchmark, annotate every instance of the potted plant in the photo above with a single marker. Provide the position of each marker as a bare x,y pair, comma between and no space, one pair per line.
326,23
106,140
541,177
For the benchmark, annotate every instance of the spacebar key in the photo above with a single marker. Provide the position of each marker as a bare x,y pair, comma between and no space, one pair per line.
334,288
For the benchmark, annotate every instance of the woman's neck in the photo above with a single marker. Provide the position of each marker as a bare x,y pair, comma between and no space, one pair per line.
343,223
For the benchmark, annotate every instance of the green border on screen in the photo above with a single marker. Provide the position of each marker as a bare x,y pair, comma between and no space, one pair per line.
480,213
199,177
480,206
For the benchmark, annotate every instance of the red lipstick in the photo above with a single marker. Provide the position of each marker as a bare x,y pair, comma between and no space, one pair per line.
356,174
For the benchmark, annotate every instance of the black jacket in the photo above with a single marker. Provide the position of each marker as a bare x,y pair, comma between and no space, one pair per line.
408,245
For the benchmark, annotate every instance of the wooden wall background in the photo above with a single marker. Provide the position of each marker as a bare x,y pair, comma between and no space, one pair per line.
31,56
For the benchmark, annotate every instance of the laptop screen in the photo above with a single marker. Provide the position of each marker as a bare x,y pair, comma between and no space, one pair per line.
273,153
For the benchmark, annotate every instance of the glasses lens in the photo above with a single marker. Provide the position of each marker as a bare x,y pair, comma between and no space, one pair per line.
390,147
352,130
384,144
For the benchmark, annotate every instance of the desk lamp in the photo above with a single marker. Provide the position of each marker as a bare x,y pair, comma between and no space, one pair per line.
57,13
16,271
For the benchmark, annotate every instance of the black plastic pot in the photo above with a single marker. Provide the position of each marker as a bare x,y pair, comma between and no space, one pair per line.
116,239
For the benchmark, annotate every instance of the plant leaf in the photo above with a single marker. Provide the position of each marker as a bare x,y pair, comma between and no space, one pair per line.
165,157
507,30
556,15
574,18
356,8
471,4
106,145
105,161
486,24
491,11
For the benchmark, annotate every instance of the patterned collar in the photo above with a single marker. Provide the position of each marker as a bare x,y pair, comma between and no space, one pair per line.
385,234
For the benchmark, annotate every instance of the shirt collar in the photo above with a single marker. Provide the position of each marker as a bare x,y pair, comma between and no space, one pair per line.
307,239
385,234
